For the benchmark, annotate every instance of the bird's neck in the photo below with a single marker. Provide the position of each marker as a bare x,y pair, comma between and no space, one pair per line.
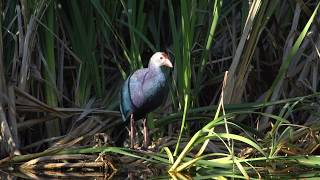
155,68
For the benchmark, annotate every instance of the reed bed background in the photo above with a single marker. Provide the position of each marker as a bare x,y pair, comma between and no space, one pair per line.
62,64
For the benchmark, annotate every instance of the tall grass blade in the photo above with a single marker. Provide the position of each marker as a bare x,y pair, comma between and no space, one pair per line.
215,17
183,65
48,46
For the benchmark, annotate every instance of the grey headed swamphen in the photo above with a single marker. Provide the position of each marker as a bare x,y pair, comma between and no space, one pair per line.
142,92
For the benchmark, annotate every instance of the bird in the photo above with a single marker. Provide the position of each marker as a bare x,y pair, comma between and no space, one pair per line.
144,91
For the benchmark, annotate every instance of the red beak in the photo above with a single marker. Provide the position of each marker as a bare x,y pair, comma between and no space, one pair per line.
167,61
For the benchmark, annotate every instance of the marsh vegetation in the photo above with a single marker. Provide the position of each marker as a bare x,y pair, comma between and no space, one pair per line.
243,95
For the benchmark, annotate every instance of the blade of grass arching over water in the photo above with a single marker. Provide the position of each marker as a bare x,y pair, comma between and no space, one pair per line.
276,139
127,153
241,168
239,138
204,145
169,154
207,133
48,46
200,138
201,133
151,157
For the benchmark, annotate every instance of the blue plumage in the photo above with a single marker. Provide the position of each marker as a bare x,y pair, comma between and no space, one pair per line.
143,91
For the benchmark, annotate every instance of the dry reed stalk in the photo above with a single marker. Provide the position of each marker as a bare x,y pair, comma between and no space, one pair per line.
89,175
34,163
54,174
235,82
50,151
8,141
35,101
50,166
28,46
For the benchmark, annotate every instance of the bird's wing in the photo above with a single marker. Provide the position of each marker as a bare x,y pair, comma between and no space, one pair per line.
125,103
136,82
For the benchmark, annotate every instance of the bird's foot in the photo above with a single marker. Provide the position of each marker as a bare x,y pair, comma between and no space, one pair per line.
143,148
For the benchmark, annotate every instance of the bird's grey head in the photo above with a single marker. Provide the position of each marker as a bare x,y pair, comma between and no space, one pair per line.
159,59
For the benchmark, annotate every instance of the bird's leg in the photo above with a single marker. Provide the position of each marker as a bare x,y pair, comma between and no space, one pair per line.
132,131
145,134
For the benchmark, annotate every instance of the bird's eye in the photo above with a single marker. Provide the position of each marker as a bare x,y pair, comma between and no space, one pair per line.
161,57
